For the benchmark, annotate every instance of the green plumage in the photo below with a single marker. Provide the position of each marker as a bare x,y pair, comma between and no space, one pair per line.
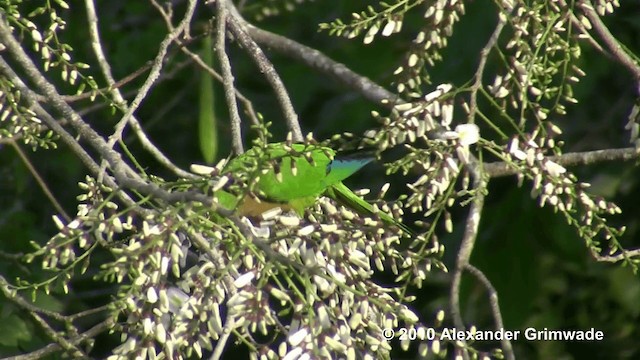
293,177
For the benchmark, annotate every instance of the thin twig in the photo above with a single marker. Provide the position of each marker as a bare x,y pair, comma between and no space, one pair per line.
249,110
609,40
495,309
222,341
466,247
237,26
51,348
499,169
153,76
30,98
34,312
64,343
89,312
11,256
24,304
584,32
325,65
624,254
40,181
99,105
96,43
90,93
227,77
484,55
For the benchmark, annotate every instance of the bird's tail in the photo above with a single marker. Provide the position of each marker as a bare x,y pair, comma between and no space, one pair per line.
342,194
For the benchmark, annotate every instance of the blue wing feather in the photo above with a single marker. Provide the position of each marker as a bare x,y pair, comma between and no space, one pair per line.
348,165
344,165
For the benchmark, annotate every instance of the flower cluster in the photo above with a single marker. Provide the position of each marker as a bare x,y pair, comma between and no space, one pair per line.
189,279
18,121
554,186
439,20
304,292
541,69
97,223
46,40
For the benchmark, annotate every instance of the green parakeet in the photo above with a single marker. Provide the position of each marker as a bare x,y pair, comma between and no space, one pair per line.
292,177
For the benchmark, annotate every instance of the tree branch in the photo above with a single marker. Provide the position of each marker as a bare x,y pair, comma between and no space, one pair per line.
624,254
237,26
484,55
124,175
495,308
501,168
55,100
40,181
30,98
34,312
609,40
96,43
222,341
325,65
466,247
152,77
51,348
227,76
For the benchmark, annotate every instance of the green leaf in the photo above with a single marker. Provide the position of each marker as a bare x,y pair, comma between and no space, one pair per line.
14,331
207,131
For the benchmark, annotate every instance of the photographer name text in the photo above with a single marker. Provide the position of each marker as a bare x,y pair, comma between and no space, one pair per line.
529,334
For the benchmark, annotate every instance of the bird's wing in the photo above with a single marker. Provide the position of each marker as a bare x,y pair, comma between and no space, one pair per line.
343,195
288,176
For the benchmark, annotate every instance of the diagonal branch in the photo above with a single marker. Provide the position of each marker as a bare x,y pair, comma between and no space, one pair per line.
319,61
54,347
49,91
616,50
35,312
96,43
325,65
237,26
124,176
154,74
227,77
30,98
43,184
484,55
